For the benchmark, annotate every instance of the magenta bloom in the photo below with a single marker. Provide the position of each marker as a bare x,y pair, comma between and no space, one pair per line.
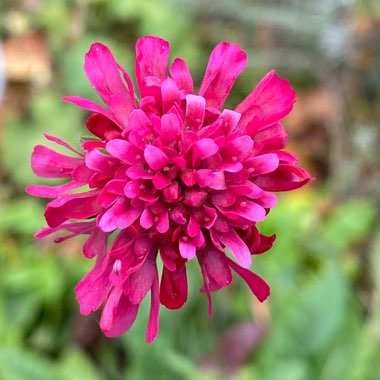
169,176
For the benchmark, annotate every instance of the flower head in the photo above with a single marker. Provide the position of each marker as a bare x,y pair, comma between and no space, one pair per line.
171,176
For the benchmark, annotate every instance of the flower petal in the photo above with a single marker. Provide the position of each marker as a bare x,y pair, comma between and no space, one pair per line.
124,151
226,62
155,157
100,162
153,322
187,249
181,74
285,178
141,281
211,179
118,314
52,191
206,148
246,209
170,94
273,95
195,111
102,127
257,285
152,54
236,246
103,73
120,215
173,287
170,127
266,163
90,106
93,289
48,163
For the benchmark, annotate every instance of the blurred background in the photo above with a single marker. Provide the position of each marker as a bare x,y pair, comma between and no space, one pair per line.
322,321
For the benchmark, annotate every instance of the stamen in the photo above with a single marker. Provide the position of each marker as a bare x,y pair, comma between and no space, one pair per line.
117,267
243,204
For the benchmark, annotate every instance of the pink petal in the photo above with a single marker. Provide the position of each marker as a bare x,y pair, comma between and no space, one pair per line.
52,191
115,186
267,200
226,62
248,189
246,209
257,285
239,147
272,137
218,272
170,128
187,249
95,244
120,215
266,163
132,188
169,257
48,163
285,178
230,120
160,181
206,148
92,144
102,127
62,143
153,322
72,206
90,106
143,245
170,94
208,178
193,228
92,290
103,73
236,246
162,224
135,172
116,104
173,288
181,74
195,111
118,314
195,198
100,162
124,151
155,157
152,54
273,95
146,219
223,198
142,280
106,199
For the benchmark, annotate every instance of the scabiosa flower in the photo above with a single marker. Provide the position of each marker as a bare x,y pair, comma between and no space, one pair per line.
170,176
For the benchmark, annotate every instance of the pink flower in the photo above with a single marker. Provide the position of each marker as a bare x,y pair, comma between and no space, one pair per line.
170,175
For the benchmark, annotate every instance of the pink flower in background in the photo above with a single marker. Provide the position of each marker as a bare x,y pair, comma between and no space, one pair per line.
171,176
